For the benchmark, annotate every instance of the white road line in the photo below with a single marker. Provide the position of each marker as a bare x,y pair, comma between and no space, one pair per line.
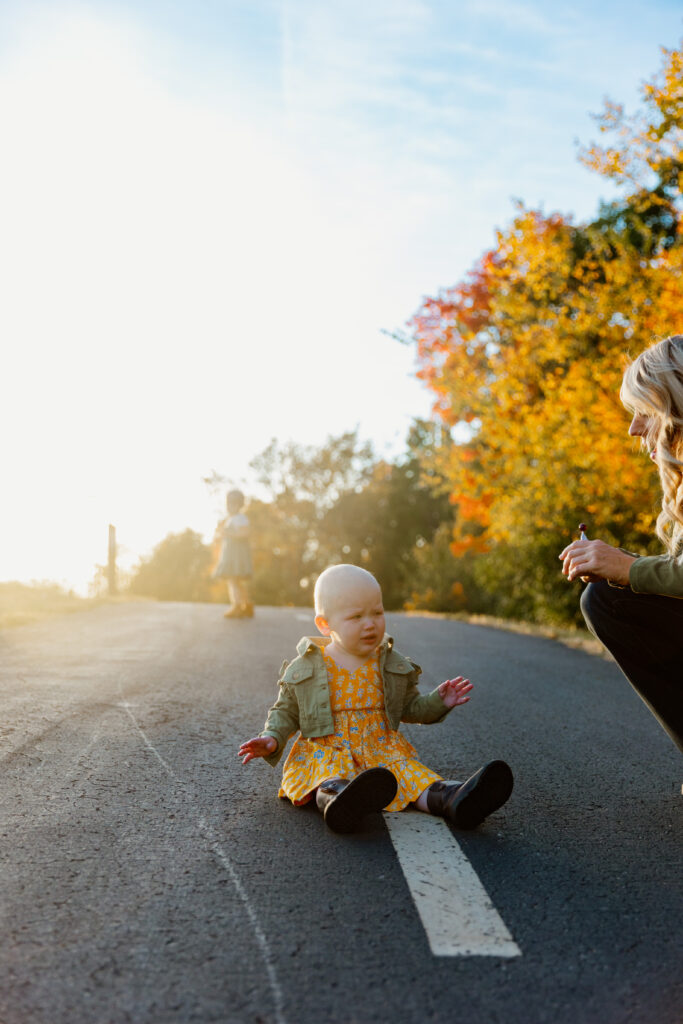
453,905
210,837
268,958
150,746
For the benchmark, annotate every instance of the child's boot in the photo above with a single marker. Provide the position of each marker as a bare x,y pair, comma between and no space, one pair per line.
345,803
234,612
247,610
466,804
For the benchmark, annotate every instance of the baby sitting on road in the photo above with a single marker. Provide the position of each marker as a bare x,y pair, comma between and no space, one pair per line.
347,691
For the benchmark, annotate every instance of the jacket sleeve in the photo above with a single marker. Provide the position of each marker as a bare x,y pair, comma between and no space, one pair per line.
657,574
282,721
425,708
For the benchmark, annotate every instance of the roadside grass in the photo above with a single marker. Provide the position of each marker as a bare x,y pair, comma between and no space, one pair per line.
567,635
24,603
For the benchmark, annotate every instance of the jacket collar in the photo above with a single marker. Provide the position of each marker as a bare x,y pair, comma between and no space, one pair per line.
310,644
316,644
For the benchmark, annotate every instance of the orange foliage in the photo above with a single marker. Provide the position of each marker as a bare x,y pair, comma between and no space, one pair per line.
526,354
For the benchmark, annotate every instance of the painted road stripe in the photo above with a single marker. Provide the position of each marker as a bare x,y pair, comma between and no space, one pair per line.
453,905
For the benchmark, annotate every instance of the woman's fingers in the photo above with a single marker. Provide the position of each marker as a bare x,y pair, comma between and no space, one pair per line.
575,554
576,545
582,563
577,559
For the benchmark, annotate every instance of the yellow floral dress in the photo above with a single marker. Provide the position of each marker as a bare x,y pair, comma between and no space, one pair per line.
362,739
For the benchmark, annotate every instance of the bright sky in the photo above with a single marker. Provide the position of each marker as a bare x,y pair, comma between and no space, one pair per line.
209,212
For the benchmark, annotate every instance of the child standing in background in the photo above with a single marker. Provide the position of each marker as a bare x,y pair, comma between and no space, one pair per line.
234,563
347,691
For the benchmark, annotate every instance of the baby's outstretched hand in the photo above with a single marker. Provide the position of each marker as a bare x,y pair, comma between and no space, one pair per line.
455,691
260,746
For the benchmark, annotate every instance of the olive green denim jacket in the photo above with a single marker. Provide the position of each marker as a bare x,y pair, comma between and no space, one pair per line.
657,574
304,698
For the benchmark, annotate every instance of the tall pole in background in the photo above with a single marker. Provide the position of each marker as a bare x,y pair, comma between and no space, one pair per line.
111,561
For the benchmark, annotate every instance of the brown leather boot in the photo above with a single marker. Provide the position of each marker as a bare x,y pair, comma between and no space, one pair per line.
466,804
345,802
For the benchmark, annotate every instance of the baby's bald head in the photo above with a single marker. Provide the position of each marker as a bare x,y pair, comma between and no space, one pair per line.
340,583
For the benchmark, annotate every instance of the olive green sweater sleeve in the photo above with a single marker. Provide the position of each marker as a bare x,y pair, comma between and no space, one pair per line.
657,574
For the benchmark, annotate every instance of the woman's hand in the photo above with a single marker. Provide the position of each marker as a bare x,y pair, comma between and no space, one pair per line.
595,560
455,691
260,746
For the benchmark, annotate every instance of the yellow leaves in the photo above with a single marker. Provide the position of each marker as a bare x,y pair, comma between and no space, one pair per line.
551,436
645,142
530,349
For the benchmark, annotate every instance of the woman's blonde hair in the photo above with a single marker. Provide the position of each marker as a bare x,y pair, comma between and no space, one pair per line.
653,387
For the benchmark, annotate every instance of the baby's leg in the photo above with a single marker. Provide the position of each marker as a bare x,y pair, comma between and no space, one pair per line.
234,592
236,609
241,597
247,604
421,802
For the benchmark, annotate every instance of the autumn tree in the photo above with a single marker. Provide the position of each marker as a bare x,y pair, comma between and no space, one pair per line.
525,358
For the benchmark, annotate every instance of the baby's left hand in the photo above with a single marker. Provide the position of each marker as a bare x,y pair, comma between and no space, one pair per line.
455,691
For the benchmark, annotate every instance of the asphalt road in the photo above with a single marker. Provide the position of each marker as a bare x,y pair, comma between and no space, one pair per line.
148,877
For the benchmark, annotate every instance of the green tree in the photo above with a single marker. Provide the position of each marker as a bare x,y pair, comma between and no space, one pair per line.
382,524
177,570
303,483
318,475
443,582
338,503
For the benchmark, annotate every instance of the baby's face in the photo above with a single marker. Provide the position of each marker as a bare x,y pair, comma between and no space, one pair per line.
356,619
